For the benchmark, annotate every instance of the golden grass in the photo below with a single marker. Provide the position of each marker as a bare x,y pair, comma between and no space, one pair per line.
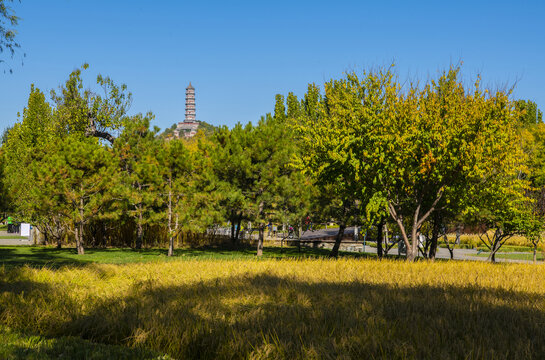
474,241
288,308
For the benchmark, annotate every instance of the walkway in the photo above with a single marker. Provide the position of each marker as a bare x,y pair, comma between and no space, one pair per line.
13,239
347,245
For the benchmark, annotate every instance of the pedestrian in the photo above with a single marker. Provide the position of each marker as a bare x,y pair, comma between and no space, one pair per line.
308,223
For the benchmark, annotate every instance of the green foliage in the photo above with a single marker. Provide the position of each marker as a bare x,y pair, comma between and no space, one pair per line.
73,179
8,21
529,113
139,187
204,127
363,148
207,128
418,150
27,144
252,165
89,113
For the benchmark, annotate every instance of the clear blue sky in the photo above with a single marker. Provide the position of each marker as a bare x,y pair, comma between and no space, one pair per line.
239,54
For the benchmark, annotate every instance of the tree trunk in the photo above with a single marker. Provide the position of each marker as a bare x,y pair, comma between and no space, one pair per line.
261,230
176,227
139,229
386,240
79,235
380,229
450,250
458,231
399,221
170,232
260,241
76,235
412,249
493,250
81,251
338,239
535,253
233,240
78,228
46,238
434,239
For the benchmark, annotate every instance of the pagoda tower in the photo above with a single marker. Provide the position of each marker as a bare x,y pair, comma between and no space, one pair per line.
190,104
189,126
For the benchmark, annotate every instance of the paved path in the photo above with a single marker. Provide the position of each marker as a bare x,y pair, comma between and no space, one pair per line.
15,240
442,253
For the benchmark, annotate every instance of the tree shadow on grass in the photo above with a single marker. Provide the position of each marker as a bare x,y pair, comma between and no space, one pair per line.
265,316
15,345
39,257
244,250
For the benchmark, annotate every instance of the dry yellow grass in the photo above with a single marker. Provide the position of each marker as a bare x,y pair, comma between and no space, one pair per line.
474,241
288,308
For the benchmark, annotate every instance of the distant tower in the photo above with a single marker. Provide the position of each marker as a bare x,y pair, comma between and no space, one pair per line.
190,104
190,125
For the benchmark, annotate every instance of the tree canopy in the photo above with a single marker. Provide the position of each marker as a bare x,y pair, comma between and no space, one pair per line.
366,150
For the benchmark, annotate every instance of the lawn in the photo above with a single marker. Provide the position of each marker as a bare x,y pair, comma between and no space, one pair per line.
211,303
40,256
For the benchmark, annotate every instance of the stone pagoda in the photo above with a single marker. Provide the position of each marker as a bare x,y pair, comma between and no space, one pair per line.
189,126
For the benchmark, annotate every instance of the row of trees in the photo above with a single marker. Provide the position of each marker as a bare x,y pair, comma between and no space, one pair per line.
80,163
424,155
365,151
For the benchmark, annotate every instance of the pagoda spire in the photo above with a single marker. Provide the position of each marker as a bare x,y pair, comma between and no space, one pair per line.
190,103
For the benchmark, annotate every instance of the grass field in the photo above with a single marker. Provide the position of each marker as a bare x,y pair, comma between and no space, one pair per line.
14,345
40,256
230,306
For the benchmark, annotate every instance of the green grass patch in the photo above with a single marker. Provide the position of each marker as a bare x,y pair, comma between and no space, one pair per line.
40,256
509,248
13,237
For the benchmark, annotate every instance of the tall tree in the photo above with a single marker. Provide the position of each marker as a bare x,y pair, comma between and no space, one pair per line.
529,114
503,209
177,184
25,145
334,131
441,140
252,167
76,173
412,148
136,150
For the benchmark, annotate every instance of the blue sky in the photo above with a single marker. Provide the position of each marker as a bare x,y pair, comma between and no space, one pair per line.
239,54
